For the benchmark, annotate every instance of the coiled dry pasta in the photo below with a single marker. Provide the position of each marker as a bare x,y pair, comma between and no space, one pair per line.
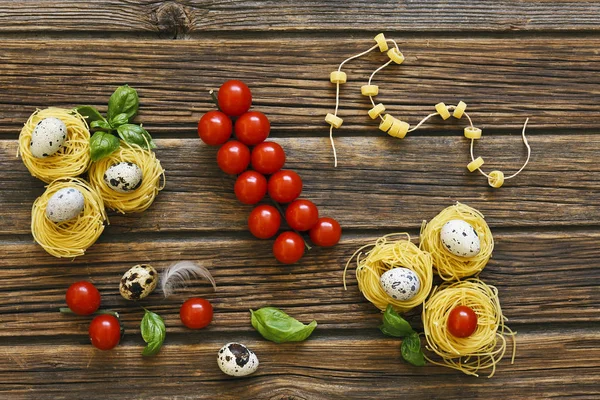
137,200
388,252
481,350
450,266
73,159
70,238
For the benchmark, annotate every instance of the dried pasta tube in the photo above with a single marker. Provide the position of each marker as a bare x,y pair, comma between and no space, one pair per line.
376,111
475,164
337,77
387,122
369,90
496,179
333,120
398,129
395,55
472,133
459,110
381,42
442,110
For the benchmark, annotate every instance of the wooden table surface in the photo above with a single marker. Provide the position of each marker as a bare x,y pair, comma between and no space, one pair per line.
507,60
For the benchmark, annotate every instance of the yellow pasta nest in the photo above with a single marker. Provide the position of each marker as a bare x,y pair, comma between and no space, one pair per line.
388,252
137,200
73,159
481,350
450,266
70,238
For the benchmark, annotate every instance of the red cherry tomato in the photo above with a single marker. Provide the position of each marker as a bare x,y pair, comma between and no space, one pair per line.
326,233
214,128
252,128
83,298
285,186
234,98
301,215
288,247
268,158
105,332
264,221
462,321
233,157
250,187
196,313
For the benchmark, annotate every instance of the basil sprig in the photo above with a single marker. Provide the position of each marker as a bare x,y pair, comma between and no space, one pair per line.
276,326
396,326
153,332
122,108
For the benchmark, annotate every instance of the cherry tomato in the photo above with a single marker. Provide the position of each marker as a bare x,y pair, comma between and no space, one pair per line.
462,321
326,233
196,313
105,332
83,298
233,157
268,158
285,186
301,215
288,247
264,221
234,98
252,128
214,128
250,187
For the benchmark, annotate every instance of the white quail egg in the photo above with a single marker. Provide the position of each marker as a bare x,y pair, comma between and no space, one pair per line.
66,204
235,359
460,238
400,283
123,177
138,282
47,137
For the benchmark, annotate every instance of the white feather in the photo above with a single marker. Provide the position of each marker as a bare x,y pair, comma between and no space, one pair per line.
180,274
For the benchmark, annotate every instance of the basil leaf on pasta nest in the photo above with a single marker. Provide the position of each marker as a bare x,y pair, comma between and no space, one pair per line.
123,101
101,124
135,134
153,332
411,350
394,325
90,114
102,144
276,326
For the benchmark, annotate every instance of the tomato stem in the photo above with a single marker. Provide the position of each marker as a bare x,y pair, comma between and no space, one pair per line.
214,99
278,206
67,310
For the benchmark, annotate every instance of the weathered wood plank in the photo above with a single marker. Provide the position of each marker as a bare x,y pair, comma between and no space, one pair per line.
552,80
178,19
548,365
538,279
381,183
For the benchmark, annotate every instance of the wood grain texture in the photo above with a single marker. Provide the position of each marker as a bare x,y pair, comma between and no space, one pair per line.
181,18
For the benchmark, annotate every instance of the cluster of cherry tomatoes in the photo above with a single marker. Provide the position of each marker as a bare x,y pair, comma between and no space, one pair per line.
83,298
251,129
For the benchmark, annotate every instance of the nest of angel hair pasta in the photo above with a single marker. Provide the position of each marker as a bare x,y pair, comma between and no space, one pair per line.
72,159
138,200
388,252
450,266
70,238
481,350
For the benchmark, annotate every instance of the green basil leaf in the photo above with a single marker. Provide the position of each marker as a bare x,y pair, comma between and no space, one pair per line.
411,350
90,114
103,144
276,326
100,124
123,101
118,120
135,134
153,332
394,325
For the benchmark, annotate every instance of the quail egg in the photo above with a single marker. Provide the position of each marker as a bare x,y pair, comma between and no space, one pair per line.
64,205
123,177
138,282
460,238
400,283
235,359
47,137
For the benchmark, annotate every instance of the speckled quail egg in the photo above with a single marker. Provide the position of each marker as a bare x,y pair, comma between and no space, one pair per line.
138,282
460,238
235,359
64,205
123,177
47,137
400,283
